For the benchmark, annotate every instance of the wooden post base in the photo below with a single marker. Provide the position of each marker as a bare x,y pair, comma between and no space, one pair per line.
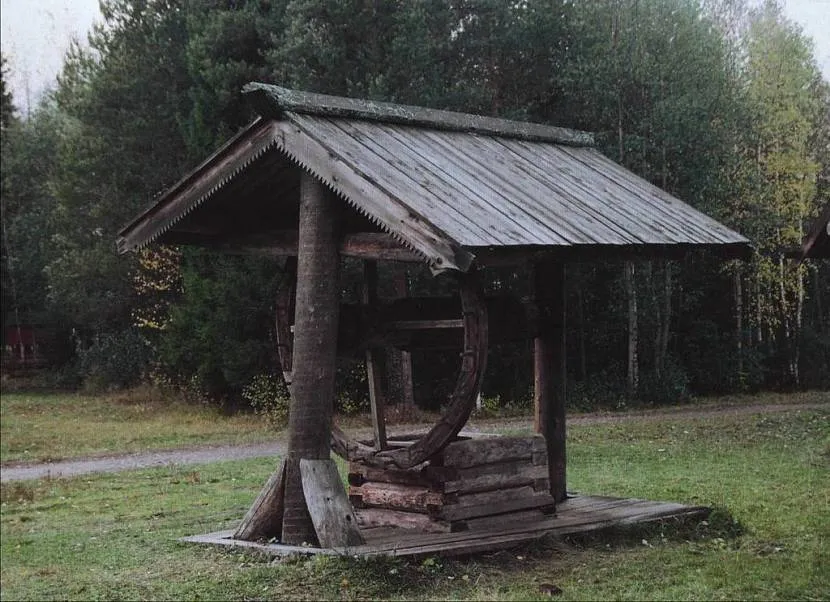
328,505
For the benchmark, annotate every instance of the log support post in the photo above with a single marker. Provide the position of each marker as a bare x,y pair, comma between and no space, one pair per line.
312,393
549,369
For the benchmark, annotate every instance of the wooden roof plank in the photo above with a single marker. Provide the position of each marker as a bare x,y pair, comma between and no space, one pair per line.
541,202
399,173
597,227
468,191
498,189
641,225
704,228
381,206
196,187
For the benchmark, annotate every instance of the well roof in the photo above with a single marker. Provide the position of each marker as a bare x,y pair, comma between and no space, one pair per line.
447,185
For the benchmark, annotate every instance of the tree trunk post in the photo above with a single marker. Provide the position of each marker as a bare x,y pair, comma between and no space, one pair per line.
315,344
549,369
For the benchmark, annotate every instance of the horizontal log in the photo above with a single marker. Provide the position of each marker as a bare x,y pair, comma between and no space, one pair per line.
395,497
515,474
475,452
360,474
424,324
362,245
508,503
542,501
379,517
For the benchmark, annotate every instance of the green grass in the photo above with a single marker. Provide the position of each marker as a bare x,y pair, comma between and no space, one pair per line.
39,427
113,536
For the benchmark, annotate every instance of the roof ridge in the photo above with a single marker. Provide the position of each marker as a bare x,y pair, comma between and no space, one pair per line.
274,101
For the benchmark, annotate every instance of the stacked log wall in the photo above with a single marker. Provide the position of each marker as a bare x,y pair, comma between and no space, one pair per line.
470,484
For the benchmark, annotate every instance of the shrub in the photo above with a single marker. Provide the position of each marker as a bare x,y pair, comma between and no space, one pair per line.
269,397
672,386
113,361
603,389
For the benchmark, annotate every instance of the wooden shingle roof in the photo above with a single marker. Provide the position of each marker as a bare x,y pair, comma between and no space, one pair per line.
449,186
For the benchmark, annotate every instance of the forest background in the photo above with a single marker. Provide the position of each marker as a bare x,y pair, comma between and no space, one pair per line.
717,102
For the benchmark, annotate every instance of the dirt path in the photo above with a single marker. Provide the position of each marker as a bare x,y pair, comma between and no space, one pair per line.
204,455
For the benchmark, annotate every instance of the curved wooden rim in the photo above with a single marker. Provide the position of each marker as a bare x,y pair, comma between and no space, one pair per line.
461,401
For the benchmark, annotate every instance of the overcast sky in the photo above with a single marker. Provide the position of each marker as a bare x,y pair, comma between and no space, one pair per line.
36,34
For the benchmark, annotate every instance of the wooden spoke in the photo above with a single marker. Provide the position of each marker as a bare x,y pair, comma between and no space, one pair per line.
461,402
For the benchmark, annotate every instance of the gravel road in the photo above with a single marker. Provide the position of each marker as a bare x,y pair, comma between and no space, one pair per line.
204,455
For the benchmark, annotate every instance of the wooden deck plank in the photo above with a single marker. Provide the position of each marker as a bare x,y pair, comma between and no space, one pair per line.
580,514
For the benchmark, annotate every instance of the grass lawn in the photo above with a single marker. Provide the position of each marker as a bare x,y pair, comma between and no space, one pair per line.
113,536
41,427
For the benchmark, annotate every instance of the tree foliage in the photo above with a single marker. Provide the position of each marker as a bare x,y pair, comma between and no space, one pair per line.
720,105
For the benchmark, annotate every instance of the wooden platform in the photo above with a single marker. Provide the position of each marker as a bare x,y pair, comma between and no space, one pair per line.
578,514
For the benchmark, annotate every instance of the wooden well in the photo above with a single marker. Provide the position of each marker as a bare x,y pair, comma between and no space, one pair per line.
318,178
472,482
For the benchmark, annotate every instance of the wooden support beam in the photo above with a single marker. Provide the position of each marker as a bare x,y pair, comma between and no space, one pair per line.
424,324
361,245
370,299
549,369
315,346
331,513
264,518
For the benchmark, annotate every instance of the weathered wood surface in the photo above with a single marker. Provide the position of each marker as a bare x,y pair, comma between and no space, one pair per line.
500,521
461,401
264,518
424,324
274,100
550,371
360,245
478,451
196,187
337,169
496,477
395,496
493,503
378,517
314,353
446,193
361,473
568,521
331,513
399,361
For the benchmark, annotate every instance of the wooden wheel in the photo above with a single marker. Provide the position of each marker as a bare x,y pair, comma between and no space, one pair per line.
461,401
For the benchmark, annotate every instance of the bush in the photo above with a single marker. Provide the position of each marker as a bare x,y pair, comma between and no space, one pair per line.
672,386
352,388
604,389
270,399
113,361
